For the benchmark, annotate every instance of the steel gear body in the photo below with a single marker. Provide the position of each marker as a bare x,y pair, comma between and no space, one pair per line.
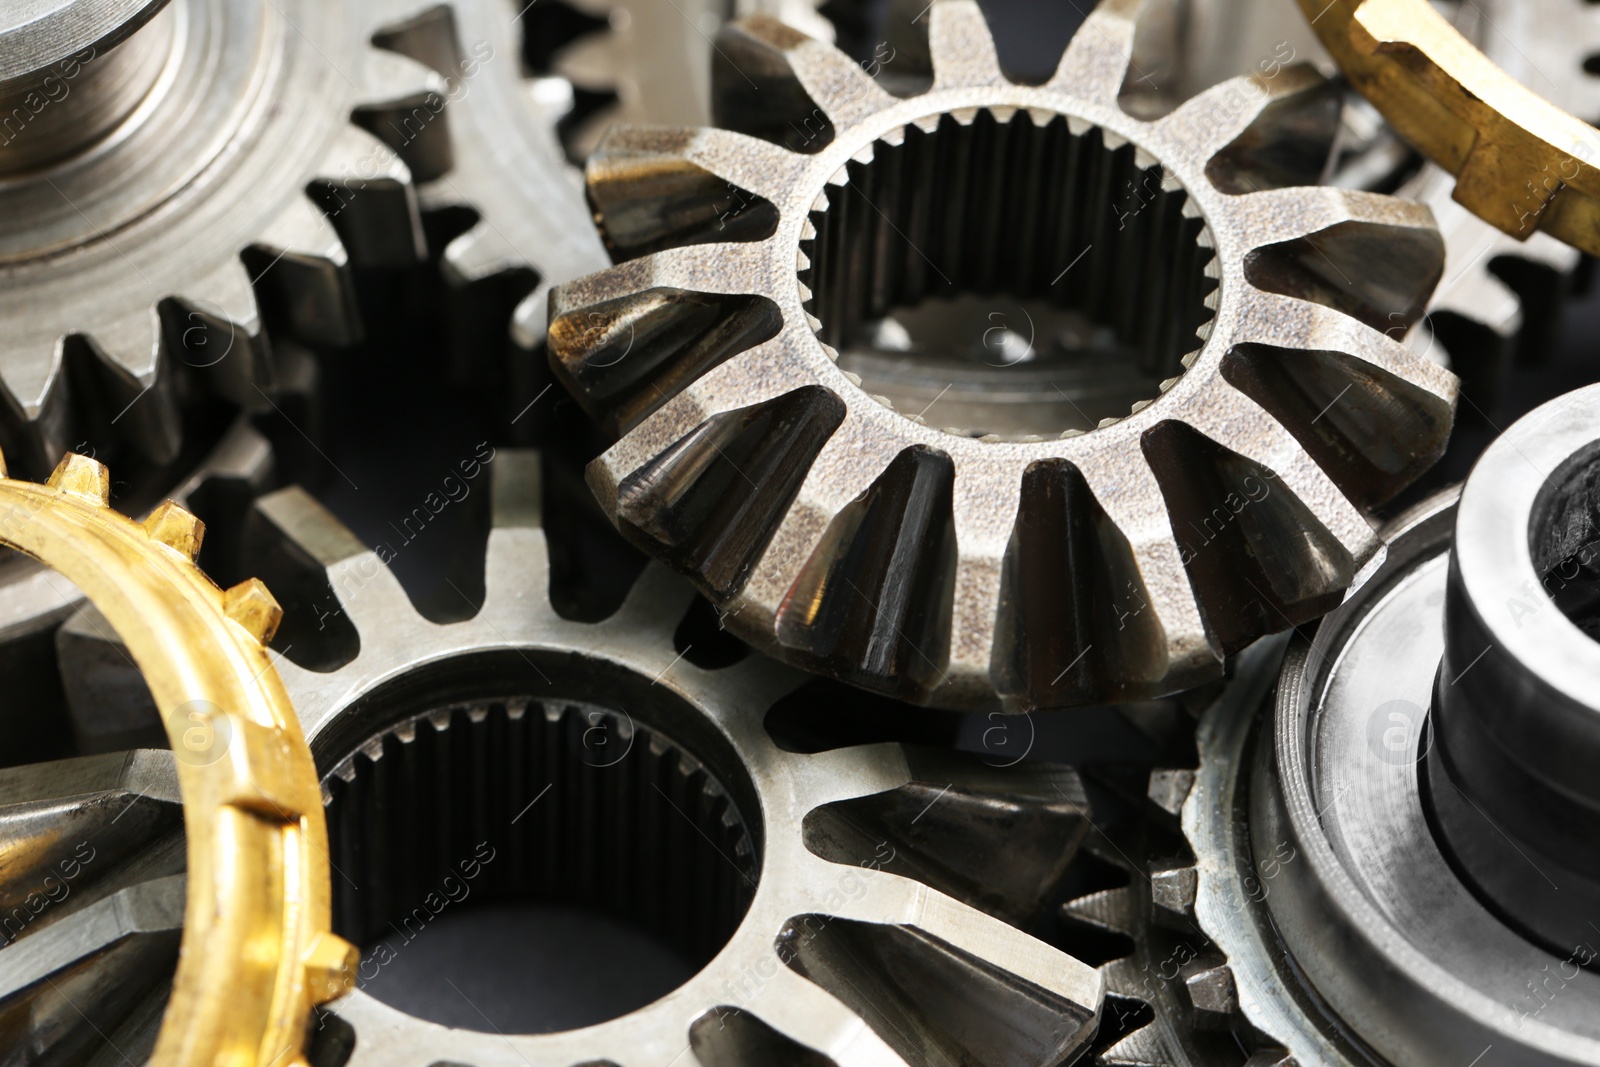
855,540
824,867
225,180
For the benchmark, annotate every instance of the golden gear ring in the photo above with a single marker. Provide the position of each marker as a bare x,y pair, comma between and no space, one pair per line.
1521,164
257,953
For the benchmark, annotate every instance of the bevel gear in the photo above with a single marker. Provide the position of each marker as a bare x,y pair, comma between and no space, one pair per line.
174,175
93,933
1097,566
856,888
1426,759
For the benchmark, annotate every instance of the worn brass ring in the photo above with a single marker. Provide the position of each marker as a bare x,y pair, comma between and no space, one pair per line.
257,952
1521,163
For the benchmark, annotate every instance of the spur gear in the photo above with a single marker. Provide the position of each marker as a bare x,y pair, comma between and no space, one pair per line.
972,571
525,234
169,186
94,910
1426,758
1169,995
835,898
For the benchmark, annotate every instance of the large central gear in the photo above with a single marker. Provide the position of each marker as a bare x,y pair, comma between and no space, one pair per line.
856,889
1117,561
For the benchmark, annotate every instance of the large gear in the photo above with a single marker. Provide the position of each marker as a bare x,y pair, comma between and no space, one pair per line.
175,176
855,540
829,860
1425,762
257,954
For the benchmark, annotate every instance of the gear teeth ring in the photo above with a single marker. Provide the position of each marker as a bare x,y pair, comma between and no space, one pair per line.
257,953
859,542
829,858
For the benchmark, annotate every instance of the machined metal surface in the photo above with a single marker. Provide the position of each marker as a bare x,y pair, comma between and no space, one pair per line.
851,923
185,173
1368,945
862,542
1516,713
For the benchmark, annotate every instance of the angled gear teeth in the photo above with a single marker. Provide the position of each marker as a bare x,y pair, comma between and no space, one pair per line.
653,188
1096,61
803,88
923,584
961,47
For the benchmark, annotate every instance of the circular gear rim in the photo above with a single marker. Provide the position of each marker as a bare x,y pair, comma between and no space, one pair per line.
592,324
796,1014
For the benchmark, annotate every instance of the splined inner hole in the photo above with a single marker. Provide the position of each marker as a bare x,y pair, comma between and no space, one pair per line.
469,825
1564,539
1006,278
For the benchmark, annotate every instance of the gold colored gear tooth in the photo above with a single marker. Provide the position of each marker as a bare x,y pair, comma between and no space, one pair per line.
1521,163
252,966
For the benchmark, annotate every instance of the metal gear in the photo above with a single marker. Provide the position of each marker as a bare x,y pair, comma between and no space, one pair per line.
1170,999
526,234
168,187
856,541
849,918
1500,297
1521,163
94,935
1425,760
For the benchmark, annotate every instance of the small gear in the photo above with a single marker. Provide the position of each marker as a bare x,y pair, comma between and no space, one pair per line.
861,542
835,897
257,953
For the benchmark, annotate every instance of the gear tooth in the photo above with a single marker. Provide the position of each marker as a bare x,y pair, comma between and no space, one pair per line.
794,76
300,262
1141,1048
1173,891
253,607
4,470
82,477
176,527
365,189
331,965
1168,788
1213,995
1114,910
961,46
1139,406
